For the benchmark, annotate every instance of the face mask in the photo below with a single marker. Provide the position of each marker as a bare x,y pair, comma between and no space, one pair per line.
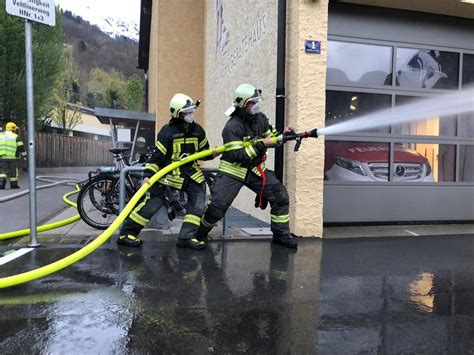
189,118
255,109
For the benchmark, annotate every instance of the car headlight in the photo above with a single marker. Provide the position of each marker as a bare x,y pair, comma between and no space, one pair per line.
349,164
427,168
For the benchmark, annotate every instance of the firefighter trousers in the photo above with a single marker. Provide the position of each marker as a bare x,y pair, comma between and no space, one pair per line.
8,171
152,201
224,190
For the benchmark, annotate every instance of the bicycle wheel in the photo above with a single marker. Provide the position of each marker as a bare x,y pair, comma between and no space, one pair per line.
98,201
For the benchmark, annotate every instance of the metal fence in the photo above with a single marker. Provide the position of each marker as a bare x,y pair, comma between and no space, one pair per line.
54,150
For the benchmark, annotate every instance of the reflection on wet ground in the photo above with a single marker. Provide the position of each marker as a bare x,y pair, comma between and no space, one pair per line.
397,296
369,296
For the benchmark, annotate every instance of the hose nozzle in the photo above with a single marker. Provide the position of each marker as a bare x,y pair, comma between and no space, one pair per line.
313,133
283,138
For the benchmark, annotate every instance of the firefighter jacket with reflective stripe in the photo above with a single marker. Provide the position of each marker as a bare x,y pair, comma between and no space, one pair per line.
11,146
175,141
237,161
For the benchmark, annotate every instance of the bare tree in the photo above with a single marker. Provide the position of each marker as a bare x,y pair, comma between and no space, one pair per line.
66,92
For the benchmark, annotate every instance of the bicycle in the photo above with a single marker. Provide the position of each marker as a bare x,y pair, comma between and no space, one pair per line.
98,200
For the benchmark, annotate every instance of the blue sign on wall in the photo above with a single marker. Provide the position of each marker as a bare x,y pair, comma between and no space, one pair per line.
312,47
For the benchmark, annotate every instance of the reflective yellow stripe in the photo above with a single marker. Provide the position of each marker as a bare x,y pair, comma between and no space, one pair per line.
14,179
233,169
143,219
203,143
140,206
138,219
8,148
251,152
3,176
205,223
255,170
234,145
128,236
171,184
284,218
173,181
161,147
152,167
190,218
176,179
19,143
198,176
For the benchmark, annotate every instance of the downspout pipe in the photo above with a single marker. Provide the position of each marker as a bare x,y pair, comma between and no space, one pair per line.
145,75
280,85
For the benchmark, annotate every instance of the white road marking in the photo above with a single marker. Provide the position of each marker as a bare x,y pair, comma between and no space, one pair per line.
12,256
412,233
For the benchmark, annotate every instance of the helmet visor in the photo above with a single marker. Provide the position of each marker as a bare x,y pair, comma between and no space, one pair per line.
188,110
255,97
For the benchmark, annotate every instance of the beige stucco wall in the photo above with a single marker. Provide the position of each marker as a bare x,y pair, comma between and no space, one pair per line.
305,91
176,54
249,57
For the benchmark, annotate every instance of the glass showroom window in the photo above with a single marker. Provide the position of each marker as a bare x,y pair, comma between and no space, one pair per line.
468,70
356,161
358,64
466,121
344,105
427,69
466,163
424,162
466,125
432,126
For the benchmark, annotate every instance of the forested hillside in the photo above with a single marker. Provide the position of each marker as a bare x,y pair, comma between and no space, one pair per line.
94,49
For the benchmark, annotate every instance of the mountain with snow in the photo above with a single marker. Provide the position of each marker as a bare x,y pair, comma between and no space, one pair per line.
116,28
115,18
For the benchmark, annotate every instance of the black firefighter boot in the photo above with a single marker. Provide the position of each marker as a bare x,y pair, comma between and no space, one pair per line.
14,185
285,239
191,244
3,182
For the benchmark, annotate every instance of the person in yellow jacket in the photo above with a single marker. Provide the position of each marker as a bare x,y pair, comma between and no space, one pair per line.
11,150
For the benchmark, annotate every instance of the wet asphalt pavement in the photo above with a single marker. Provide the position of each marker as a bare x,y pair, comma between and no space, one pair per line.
404,295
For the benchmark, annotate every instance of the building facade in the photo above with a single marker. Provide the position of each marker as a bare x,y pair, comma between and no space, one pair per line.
344,59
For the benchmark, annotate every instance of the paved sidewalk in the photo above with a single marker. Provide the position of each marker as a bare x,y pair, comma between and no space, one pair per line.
14,214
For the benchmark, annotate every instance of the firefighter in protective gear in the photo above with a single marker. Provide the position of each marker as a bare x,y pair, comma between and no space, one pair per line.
11,150
241,166
177,139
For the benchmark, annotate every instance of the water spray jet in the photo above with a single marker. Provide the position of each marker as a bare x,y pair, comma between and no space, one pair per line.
442,106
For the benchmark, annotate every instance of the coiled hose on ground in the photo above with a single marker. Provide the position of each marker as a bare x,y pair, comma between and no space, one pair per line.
47,227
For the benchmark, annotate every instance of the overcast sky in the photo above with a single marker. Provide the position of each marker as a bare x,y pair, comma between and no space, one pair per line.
123,9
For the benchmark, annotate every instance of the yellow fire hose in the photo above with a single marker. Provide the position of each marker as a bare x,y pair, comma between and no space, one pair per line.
47,227
89,248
